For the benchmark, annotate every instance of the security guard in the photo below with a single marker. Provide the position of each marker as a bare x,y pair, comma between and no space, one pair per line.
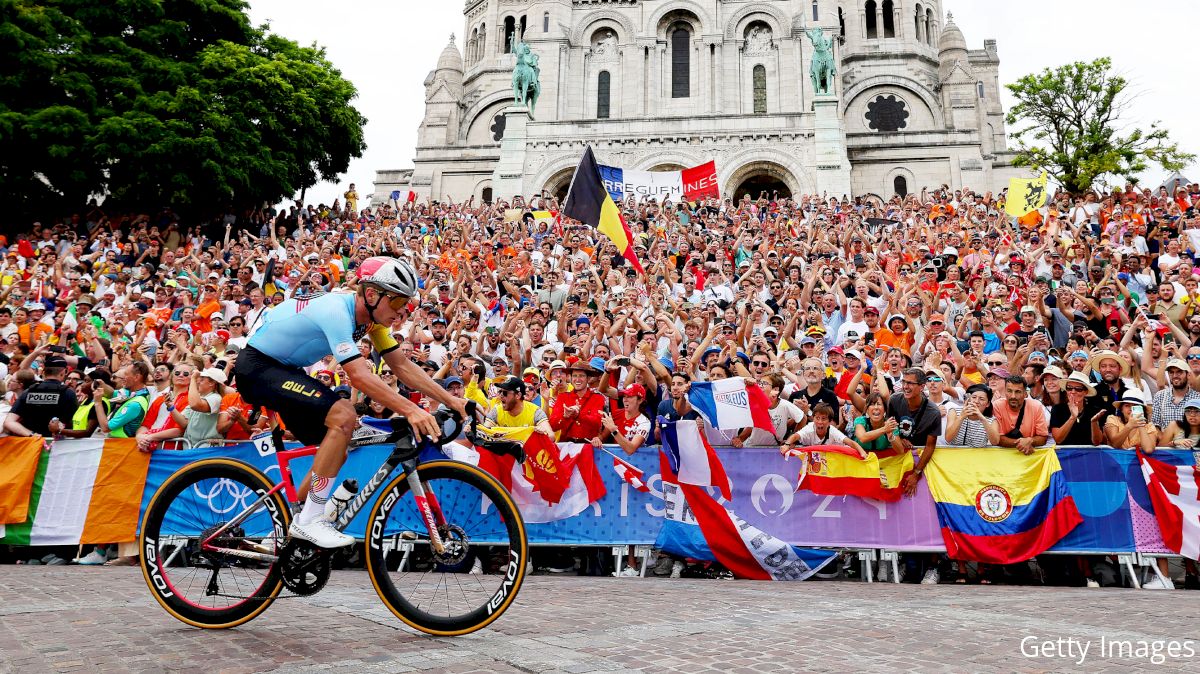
47,399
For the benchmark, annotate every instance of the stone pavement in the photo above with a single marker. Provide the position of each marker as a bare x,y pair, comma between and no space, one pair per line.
64,619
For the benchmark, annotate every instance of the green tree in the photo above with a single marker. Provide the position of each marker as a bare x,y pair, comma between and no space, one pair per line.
1070,127
156,102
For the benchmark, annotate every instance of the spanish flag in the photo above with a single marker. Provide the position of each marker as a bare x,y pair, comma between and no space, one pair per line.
834,473
998,505
589,202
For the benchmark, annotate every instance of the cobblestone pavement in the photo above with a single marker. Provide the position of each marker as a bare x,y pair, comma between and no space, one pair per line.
103,620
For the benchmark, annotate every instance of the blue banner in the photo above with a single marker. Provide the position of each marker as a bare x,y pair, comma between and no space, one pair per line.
1106,484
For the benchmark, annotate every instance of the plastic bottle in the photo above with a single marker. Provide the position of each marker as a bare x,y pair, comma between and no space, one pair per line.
340,498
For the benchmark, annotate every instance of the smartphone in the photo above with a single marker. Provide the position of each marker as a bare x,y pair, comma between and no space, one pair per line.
55,348
622,361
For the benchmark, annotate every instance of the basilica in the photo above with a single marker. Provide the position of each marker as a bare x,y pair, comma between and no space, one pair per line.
667,84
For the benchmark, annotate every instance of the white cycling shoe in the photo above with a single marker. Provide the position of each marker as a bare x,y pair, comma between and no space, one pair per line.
320,533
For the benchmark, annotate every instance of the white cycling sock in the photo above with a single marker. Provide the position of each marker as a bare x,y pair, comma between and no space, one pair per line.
318,496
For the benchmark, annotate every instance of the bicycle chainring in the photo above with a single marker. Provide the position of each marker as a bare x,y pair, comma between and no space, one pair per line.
303,567
455,544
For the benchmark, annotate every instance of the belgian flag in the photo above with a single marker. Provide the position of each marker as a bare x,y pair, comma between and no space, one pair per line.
589,202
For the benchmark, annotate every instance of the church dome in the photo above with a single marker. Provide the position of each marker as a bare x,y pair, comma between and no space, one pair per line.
450,58
952,38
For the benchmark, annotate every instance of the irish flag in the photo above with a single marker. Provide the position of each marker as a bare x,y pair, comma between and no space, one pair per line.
82,491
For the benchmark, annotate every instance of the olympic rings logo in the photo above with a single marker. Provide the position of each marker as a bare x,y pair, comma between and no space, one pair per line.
233,495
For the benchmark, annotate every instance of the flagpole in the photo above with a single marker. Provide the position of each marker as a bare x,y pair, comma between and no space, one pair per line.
573,177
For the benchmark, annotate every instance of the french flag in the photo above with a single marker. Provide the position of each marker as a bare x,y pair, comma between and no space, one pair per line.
697,527
692,458
404,197
732,403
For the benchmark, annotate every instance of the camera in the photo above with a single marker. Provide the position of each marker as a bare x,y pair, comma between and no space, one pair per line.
938,262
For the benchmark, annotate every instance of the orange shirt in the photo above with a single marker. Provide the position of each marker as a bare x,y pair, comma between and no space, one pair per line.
204,315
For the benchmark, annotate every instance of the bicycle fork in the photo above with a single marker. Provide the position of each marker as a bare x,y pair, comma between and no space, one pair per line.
427,504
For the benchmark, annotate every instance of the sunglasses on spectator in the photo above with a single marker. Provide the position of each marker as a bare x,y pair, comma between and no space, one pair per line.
1076,389
995,362
761,363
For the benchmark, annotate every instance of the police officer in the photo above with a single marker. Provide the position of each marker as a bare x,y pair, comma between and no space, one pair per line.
47,399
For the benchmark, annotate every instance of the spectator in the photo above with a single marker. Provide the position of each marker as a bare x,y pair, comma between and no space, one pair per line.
819,431
1129,428
47,403
1021,419
1077,419
785,416
973,424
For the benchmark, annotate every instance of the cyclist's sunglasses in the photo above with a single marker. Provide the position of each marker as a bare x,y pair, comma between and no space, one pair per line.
397,302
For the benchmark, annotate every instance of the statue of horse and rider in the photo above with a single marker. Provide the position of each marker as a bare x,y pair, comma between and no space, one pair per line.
525,79
822,69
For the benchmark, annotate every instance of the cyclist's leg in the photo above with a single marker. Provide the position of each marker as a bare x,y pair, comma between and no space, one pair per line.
339,425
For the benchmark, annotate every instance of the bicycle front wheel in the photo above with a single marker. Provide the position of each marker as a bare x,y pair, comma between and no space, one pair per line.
477,575
211,588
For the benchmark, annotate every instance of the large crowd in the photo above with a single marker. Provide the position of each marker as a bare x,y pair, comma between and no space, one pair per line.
927,319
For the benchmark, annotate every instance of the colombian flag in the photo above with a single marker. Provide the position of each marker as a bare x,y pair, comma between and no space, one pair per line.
589,202
834,473
998,505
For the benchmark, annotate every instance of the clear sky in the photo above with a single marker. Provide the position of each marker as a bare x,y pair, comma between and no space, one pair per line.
387,47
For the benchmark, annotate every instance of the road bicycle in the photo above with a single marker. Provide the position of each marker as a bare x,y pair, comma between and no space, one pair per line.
445,544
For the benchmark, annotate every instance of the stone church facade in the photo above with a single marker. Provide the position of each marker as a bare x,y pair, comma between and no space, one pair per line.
663,84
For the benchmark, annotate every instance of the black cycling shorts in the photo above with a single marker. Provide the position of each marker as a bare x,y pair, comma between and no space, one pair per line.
301,401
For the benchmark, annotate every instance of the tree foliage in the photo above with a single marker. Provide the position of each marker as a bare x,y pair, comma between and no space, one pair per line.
163,102
1071,127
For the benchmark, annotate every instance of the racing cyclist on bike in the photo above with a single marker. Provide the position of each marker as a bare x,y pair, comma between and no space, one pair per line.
300,332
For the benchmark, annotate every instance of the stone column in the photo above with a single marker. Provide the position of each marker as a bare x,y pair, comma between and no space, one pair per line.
832,160
508,178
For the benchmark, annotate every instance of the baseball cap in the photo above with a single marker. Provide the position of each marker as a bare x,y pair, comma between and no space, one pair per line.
854,353
511,383
450,381
214,374
1179,363
634,390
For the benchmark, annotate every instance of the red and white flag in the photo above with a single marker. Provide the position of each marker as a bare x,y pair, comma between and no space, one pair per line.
631,474
1175,494
544,490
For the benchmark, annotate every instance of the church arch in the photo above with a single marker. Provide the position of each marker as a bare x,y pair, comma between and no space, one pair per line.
764,163
588,25
558,183
755,177
479,131
912,89
897,177
678,10
735,28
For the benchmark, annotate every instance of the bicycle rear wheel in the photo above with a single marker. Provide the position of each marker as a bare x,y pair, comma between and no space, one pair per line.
207,588
476,579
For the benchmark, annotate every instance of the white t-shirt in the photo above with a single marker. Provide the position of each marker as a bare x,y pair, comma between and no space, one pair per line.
808,436
781,414
860,328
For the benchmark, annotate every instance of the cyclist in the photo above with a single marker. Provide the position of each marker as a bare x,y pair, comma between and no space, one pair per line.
300,332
